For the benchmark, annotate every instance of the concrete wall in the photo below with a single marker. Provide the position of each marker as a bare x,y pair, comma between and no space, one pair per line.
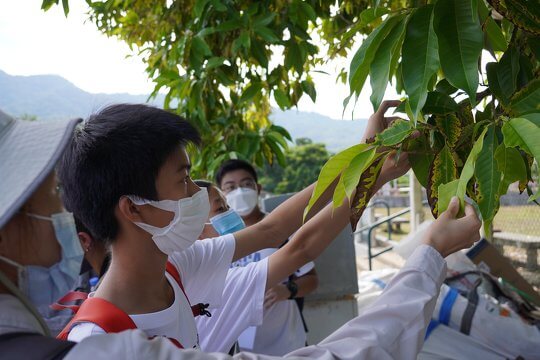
333,303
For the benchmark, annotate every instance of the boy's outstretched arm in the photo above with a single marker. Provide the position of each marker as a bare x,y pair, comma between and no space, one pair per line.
274,229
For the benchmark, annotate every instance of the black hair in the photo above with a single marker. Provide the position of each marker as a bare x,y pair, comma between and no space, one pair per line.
118,151
232,165
204,183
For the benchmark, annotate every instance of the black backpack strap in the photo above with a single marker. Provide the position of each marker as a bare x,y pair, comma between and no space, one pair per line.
32,346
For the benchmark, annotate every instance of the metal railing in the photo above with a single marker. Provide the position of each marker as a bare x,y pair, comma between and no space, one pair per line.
377,223
387,206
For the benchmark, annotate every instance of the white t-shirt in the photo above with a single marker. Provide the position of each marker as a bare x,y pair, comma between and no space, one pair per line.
203,268
243,306
282,329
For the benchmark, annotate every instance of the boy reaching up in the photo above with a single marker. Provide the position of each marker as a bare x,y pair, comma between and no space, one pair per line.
125,174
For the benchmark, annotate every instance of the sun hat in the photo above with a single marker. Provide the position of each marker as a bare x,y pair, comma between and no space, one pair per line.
29,150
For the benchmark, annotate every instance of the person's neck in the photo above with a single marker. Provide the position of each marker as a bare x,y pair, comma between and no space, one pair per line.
254,217
135,281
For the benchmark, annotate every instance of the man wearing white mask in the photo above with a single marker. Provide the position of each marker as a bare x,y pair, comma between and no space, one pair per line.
283,328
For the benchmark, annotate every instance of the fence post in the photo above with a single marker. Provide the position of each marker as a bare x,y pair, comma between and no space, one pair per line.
415,197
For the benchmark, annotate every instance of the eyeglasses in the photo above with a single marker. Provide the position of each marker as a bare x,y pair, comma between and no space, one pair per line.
250,184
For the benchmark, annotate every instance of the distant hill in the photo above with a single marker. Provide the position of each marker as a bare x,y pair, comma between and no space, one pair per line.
53,97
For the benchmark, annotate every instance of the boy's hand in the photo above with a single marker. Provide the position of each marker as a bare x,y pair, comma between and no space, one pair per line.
449,234
276,294
393,167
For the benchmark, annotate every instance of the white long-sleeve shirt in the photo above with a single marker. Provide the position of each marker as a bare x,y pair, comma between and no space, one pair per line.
393,327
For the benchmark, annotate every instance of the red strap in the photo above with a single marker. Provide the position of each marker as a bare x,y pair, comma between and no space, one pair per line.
71,296
102,313
198,309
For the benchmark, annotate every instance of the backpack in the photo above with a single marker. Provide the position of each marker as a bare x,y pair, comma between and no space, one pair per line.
113,319
32,346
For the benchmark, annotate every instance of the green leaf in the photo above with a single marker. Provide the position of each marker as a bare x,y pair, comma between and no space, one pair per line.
259,53
369,15
339,194
243,41
533,117
215,62
511,167
445,87
459,187
267,34
420,59
65,5
351,175
526,100
439,103
395,133
507,71
488,179
524,134
309,88
250,92
282,99
199,7
492,70
450,127
361,61
200,46
460,44
493,32
380,67
332,169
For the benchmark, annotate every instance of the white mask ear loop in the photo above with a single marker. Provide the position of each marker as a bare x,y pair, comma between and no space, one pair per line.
29,306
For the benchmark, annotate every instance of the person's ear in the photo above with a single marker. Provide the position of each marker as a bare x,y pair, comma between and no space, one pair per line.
86,240
128,210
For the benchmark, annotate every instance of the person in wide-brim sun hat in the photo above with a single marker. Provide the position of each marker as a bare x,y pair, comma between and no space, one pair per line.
39,250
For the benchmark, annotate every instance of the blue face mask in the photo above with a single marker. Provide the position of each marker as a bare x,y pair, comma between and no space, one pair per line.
43,286
227,222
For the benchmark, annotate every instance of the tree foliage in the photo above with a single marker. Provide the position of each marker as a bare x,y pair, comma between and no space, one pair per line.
221,61
478,127
304,162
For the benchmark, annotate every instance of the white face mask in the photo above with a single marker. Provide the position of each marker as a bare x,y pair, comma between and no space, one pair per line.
243,200
190,215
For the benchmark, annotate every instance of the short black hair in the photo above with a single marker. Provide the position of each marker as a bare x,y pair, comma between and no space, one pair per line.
118,151
232,165
204,183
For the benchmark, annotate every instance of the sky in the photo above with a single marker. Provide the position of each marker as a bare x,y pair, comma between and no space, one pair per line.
34,42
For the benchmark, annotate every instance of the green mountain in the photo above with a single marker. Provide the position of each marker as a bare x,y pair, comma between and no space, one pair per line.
50,97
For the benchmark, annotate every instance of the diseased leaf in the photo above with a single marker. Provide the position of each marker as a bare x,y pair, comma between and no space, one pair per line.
460,43
488,179
420,59
526,100
443,170
351,175
365,189
459,187
395,133
450,127
420,158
